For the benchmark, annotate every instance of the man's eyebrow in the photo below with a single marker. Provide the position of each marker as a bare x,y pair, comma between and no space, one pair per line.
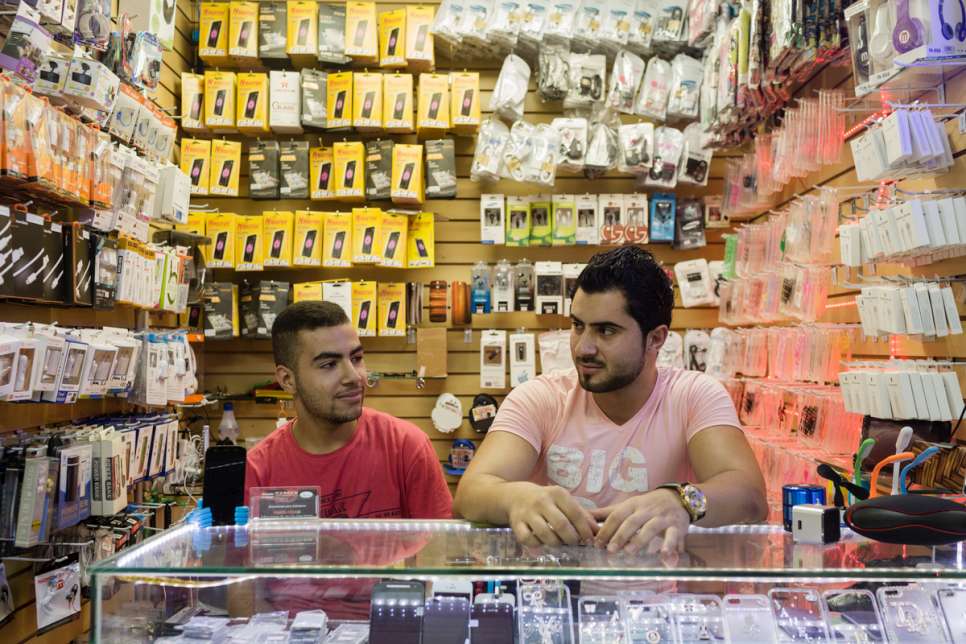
329,355
574,318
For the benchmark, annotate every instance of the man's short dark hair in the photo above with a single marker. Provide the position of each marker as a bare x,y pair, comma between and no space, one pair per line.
302,316
634,272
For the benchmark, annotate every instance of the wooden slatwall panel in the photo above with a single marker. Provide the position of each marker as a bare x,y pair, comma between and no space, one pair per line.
235,366
22,626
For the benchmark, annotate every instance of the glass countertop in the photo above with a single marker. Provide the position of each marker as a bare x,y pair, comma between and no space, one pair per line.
340,548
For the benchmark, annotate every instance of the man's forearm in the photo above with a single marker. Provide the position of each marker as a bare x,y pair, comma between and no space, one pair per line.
733,497
485,498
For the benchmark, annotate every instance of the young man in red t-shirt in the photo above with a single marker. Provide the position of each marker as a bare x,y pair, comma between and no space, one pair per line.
367,463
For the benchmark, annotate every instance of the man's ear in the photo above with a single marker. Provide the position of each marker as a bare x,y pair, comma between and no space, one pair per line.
285,378
656,338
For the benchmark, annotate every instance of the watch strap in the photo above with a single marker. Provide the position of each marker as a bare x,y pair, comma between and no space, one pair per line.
679,489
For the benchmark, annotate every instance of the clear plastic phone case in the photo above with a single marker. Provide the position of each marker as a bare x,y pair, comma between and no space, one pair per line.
544,615
799,614
648,619
600,621
748,618
952,603
698,618
853,616
909,614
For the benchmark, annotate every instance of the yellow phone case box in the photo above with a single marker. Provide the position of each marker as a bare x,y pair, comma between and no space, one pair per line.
192,102
337,242
220,229
392,308
249,254
307,292
320,173
392,240
213,32
364,307
303,28
308,230
419,37
433,113
348,160
365,232
195,161
195,225
338,103
361,37
278,230
225,167
407,174
243,31
392,38
220,101
367,101
397,100
465,101
421,241
252,112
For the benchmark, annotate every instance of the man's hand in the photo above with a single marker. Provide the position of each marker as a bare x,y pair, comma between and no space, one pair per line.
634,523
550,516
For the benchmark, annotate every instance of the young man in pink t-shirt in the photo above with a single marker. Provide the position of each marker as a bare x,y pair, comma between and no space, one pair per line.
368,464
645,451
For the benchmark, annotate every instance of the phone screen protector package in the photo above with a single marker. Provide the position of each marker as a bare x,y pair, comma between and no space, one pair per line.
553,80
488,156
588,73
263,170
332,33
668,147
689,225
510,91
572,133
636,147
653,96
440,169
294,170
314,88
686,76
625,81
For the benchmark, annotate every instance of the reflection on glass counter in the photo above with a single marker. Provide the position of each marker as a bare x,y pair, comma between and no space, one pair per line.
440,582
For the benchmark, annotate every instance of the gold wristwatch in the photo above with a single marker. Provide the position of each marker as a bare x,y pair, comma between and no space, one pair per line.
692,499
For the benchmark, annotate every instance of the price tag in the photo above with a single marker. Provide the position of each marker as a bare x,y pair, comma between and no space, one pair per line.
301,502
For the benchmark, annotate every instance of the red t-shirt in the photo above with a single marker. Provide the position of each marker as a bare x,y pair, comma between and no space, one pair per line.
388,470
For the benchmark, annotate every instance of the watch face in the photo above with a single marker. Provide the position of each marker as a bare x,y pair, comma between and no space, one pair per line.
696,500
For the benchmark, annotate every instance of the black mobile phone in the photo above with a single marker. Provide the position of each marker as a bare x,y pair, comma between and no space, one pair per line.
446,620
196,167
251,104
339,105
467,102
244,33
367,239
493,623
196,102
395,613
277,240
214,33
391,245
224,487
220,101
225,175
421,248
397,110
364,314
337,244
393,41
309,243
407,175
360,37
367,105
221,241
71,491
324,173
434,102
350,174
393,315
421,34
249,255
303,34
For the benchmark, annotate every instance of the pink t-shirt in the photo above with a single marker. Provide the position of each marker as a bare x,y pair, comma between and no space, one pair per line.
602,463
388,470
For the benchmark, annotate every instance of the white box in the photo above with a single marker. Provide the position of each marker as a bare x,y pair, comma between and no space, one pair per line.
173,195
91,84
492,219
588,228
155,16
523,359
340,293
285,109
549,288
493,359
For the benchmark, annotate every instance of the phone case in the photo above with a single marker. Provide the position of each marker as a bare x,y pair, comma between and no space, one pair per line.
599,620
220,242
249,255
391,245
952,603
909,614
799,614
350,174
309,243
225,177
324,173
337,244
277,240
748,618
251,104
213,34
367,239
853,615
648,618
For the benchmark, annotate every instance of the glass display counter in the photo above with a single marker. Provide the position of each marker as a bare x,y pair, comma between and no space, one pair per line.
412,582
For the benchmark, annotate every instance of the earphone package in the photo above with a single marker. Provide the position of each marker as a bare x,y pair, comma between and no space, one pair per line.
857,20
669,26
668,146
625,81
503,26
564,220
553,79
636,147
641,27
561,17
586,26
663,211
652,99
588,228
587,80
510,91
492,215
602,149
696,344
686,76
689,224
615,24
488,156
695,163
694,282
573,142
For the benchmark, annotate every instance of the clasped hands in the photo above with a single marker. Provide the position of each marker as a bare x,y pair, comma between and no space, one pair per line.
551,516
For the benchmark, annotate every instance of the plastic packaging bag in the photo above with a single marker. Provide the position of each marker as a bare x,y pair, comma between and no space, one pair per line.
641,27
561,17
696,158
489,150
625,81
553,81
615,27
510,91
653,96
446,24
587,80
503,28
530,155
668,146
636,147
686,76
602,149
572,133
